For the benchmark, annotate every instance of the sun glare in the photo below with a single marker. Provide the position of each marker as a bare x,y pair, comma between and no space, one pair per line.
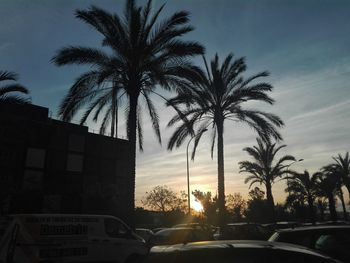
197,206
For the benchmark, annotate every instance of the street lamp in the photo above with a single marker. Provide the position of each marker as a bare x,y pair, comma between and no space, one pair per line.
296,161
188,171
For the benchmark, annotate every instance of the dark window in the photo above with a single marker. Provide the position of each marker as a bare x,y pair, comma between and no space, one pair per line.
115,228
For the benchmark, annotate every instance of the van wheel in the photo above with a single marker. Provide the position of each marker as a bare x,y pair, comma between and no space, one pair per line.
134,259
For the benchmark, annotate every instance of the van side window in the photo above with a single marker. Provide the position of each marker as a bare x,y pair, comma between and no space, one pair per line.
115,228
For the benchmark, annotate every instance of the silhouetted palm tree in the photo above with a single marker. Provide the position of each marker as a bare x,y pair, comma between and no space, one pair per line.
343,164
305,186
335,171
327,187
217,95
7,90
144,53
263,170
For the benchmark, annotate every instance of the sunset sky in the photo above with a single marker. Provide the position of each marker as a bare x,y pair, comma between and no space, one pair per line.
305,45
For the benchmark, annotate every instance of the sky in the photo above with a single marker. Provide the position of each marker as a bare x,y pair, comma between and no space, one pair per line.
305,45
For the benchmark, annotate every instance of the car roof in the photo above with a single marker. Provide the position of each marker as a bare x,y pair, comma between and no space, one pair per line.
241,224
62,215
143,229
222,244
176,229
311,228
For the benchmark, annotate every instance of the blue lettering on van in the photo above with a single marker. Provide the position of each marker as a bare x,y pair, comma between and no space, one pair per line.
46,229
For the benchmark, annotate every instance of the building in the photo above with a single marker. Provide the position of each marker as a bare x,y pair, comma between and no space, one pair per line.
50,166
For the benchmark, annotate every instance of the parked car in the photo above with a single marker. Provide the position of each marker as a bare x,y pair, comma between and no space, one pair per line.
178,235
235,252
68,238
203,227
332,240
242,231
145,233
155,230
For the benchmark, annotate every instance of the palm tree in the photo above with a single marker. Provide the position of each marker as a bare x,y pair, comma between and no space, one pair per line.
335,172
263,170
144,53
7,89
343,164
327,187
217,95
305,186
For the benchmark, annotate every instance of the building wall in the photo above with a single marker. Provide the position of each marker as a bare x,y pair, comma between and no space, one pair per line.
55,167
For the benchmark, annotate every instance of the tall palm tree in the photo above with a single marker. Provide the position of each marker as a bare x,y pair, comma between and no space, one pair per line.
335,172
263,170
327,187
7,90
218,95
305,186
343,164
144,53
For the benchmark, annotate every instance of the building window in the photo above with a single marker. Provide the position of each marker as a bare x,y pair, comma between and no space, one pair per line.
35,158
75,162
32,180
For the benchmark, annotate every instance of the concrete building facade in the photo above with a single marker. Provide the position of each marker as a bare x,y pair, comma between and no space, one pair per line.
51,166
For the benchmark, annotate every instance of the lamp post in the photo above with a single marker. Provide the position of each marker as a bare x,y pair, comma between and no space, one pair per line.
297,161
188,171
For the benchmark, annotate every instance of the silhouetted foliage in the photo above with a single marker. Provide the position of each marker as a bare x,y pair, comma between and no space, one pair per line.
218,94
145,53
8,91
257,207
236,206
343,166
209,204
302,187
263,170
334,171
164,199
327,187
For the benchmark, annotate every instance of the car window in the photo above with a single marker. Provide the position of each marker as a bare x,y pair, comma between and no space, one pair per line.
302,238
335,244
283,256
199,235
115,228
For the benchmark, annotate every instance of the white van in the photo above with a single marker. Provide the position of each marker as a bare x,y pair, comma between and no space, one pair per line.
51,238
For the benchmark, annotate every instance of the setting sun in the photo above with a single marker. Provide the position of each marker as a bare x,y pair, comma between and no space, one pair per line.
197,206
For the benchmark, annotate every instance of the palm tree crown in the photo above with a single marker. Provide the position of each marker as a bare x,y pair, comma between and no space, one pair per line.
144,53
263,170
7,90
217,95
343,166
327,186
335,176
304,186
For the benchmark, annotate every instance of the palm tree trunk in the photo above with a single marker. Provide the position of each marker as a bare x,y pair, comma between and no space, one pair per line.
341,197
311,210
113,109
270,201
132,127
221,175
331,204
116,116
